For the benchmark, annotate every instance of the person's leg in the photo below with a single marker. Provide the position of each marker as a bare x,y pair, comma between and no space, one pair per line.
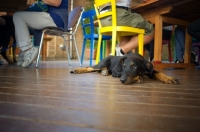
193,29
150,48
166,34
179,44
126,18
133,43
37,37
23,21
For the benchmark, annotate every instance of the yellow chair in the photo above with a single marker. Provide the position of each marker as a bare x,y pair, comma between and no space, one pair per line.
114,30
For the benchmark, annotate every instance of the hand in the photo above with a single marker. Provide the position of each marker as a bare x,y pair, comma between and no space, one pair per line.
2,21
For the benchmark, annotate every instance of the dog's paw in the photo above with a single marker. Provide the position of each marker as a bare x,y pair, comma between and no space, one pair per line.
76,71
171,80
116,75
138,79
82,70
104,72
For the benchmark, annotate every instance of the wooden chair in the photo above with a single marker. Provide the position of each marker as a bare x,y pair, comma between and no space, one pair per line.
114,30
73,22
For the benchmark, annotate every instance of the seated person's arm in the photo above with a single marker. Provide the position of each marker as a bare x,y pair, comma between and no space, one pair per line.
52,2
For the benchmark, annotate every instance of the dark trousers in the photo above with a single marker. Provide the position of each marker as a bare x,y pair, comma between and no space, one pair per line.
150,46
37,34
194,29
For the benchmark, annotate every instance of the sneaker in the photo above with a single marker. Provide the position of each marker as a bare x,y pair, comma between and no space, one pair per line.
20,58
118,52
29,56
178,61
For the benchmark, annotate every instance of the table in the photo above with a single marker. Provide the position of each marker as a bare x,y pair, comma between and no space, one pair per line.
12,5
166,12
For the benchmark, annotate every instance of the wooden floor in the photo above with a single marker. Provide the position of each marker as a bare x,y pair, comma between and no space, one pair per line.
50,99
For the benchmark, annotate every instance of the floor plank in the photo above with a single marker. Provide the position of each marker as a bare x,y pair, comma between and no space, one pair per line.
51,99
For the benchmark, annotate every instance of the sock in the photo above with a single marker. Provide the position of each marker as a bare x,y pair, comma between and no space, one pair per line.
122,52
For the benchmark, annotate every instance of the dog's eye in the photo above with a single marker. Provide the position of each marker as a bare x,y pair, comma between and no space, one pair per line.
133,67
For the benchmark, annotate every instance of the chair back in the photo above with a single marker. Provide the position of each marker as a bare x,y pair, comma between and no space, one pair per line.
115,30
102,3
87,22
74,18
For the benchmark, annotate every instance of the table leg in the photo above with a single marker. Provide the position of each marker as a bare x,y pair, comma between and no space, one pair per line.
158,39
188,48
44,49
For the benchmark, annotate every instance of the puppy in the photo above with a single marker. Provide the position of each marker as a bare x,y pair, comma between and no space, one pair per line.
129,68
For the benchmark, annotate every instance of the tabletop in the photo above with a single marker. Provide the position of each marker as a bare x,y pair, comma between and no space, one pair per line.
12,5
182,9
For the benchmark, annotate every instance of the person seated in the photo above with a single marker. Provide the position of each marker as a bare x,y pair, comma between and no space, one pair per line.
127,17
56,16
179,43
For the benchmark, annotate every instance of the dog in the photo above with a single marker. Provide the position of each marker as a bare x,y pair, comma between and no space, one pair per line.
6,32
130,68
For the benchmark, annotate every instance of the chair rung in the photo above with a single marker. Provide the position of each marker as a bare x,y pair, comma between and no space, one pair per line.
122,29
105,15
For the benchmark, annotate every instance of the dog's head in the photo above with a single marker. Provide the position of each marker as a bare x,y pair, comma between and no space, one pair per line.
133,68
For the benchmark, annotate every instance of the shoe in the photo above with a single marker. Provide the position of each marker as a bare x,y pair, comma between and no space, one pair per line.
118,52
178,61
20,58
29,56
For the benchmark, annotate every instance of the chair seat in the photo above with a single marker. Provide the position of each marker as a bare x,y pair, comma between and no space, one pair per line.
56,31
56,28
96,36
121,30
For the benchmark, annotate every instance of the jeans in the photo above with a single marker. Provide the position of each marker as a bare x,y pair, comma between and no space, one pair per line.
179,43
37,34
150,47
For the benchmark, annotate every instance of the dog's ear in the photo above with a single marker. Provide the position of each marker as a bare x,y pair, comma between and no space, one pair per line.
122,59
120,63
149,68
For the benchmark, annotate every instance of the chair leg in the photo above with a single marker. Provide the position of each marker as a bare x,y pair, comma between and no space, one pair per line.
169,50
141,43
98,48
91,50
67,51
114,37
104,48
73,37
40,47
83,51
101,51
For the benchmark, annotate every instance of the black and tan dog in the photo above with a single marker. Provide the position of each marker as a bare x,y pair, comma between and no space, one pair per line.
129,68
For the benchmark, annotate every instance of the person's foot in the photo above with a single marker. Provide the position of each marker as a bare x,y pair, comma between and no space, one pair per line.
118,52
179,61
29,56
20,58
